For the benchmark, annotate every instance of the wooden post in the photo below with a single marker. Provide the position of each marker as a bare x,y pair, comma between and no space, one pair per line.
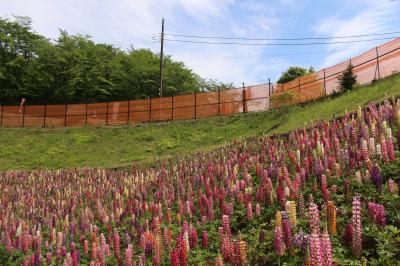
129,112
65,115
44,115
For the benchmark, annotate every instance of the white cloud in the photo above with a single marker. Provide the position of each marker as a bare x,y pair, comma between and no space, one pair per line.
375,17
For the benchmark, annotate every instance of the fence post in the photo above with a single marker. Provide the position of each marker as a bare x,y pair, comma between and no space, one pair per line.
107,115
377,62
219,101
324,83
1,115
269,87
86,114
172,109
44,115
150,110
23,117
195,105
243,98
129,112
65,115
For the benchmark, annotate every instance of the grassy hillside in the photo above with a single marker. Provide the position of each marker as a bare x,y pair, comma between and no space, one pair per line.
113,146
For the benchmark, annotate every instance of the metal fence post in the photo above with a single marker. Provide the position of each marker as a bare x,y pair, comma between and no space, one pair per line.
172,109
324,83
243,98
269,87
23,117
1,115
150,110
86,114
219,101
129,112
195,105
377,63
44,115
107,115
65,115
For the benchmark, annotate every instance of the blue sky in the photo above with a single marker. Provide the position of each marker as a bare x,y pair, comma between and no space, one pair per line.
134,22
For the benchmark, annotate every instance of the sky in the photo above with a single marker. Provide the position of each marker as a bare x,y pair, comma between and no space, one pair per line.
137,23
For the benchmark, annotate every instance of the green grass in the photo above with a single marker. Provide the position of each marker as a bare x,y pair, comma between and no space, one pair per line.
116,146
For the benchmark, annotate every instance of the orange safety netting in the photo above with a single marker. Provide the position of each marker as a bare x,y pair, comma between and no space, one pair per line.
374,64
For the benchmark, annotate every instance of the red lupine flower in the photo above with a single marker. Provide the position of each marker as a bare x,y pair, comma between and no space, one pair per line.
377,213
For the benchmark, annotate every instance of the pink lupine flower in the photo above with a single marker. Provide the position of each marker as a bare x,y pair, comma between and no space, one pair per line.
357,229
128,255
258,210
249,211
314,219
327,248
279,243
316,255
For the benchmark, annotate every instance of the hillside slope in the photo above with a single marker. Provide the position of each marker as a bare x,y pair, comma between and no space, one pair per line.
113,146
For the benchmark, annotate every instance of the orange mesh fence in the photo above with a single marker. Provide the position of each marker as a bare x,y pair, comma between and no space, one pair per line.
374,64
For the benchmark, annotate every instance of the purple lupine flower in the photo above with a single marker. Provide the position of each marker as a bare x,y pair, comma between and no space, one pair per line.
376,178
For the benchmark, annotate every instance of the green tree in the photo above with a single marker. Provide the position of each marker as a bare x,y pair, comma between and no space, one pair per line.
294,72
347,80
73,68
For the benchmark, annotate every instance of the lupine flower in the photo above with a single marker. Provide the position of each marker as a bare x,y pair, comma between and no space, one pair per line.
377,178
331,218
219,261
249,211
327,247
279,244
301,240
316,255
377,213
291,210
313,216
393,187
302,209
357,229
278,219
258,209
287,233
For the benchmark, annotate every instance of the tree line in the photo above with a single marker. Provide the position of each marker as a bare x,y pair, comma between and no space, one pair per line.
75,69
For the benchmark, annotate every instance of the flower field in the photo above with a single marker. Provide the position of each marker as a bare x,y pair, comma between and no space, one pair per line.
327,194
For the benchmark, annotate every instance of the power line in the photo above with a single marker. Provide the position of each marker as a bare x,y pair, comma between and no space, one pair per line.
281,39
276,44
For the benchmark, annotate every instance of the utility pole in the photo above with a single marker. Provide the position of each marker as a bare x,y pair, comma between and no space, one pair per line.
161,57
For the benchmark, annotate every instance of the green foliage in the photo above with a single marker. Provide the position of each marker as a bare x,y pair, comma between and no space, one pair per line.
73,68
347,80
283,99
294,72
